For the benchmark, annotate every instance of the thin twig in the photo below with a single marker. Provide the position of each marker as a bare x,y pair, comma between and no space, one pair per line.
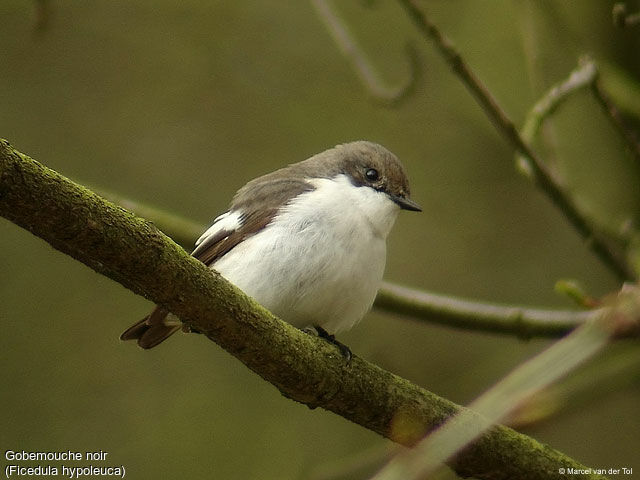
362,65
480,316
580,78
586,75
600,245
613,113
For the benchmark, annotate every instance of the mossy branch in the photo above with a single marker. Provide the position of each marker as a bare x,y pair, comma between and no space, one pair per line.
133,252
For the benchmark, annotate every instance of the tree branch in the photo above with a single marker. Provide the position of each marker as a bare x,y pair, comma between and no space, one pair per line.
581,77
585,75
134,253
481,316
616,262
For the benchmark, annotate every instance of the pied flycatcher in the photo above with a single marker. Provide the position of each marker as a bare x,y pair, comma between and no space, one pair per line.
307,241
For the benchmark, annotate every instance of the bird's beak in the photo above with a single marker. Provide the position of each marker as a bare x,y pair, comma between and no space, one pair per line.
406,203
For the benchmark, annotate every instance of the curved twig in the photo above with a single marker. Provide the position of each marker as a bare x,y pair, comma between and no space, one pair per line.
362,65
580,78
586,75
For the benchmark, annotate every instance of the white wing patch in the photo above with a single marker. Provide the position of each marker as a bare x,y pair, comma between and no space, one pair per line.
229,221
222,227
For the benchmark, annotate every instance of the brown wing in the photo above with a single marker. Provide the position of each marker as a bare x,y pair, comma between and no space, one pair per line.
258,201
218,244
156,327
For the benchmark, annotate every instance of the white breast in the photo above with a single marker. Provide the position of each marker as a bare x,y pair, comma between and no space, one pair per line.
321,259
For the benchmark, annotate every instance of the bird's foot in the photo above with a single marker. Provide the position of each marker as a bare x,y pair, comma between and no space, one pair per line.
344,350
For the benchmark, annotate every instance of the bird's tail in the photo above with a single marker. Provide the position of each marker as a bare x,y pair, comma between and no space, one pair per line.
152,329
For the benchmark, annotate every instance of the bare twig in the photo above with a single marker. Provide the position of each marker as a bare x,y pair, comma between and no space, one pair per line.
613,113
586,75
482,316
580,78
362,65
600,245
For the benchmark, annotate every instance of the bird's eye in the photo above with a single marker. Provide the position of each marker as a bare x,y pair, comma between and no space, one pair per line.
372,174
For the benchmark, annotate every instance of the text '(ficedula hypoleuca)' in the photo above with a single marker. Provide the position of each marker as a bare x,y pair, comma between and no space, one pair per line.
307,241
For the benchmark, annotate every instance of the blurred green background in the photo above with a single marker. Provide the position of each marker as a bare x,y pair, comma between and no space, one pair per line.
177,104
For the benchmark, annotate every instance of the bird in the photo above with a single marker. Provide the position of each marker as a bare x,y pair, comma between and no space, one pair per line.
306,241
